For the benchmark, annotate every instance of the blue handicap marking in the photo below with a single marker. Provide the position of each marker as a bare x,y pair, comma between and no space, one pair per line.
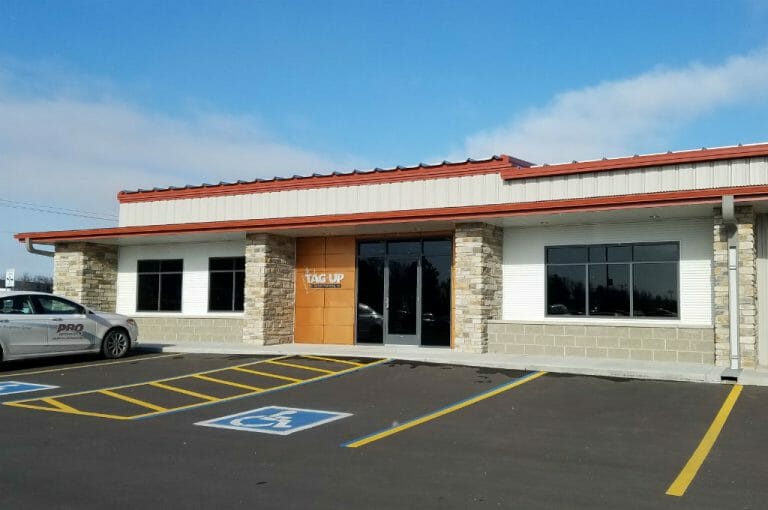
274,420
11,387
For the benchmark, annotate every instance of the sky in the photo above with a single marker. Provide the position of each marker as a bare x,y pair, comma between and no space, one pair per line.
101,96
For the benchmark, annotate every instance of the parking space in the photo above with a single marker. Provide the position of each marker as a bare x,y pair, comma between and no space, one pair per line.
430,436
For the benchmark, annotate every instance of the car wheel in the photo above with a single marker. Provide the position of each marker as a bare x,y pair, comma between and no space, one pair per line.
115,344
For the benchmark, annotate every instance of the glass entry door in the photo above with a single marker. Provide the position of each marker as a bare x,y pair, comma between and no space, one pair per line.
404,292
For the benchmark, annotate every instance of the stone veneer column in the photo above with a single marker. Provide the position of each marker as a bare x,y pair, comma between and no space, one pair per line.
86,273
477,284
269,289
745,218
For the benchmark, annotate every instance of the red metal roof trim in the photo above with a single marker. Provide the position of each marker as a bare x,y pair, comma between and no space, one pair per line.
670,158
464,213
354,178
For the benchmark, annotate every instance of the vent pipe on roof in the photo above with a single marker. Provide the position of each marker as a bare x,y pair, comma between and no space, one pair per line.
732,230
31,249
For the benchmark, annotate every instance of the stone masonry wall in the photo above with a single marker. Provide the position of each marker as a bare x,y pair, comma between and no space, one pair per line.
86,273
651,343
747,288
190,329
477,282
269,289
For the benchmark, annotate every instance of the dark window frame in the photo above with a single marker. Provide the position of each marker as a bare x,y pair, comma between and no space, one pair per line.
631,289
160,272
234,271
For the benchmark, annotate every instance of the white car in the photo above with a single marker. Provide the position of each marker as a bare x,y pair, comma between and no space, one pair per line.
36,324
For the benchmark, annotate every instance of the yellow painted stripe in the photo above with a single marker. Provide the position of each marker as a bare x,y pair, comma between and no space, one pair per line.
79,413
267,374
132,400
59,405
195,394
686,476
26,403
333,360
228,383
167,379
90,365
321,370
442,412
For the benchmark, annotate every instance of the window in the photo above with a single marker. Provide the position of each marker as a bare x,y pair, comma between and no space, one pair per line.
50,305
16,304
613,280
159,285
226,284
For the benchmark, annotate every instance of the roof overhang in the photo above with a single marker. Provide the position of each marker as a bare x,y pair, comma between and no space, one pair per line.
394,221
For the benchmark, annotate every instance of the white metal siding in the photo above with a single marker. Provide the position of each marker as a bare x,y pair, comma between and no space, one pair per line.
194,282
524,270
451,192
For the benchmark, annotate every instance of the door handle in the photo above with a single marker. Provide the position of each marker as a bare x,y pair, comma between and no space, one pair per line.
5,320
57,320
386,303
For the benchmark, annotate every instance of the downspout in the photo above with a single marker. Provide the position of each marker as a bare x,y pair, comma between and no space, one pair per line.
732,230
31,249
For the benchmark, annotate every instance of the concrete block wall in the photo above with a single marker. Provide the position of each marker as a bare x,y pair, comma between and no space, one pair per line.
190,329
747,256
682,344
269,289
477,284
86,273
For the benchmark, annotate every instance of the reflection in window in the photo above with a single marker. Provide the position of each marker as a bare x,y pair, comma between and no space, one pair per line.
627,280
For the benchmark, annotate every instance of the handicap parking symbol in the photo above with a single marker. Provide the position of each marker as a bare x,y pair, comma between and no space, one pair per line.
274,420
11,387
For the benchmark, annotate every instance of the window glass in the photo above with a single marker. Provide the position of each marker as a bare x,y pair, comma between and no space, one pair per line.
374,249
16,304
619,280
221,264
656,252
404,247
226,284
597,253
148,292
566,290
170,292
655,290
619,253
159,285
437,246
609,289
50,305
566,254
149,266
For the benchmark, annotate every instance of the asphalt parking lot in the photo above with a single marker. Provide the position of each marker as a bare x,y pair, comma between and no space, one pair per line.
147,432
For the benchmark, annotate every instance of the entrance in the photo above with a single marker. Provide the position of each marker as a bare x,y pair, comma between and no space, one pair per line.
404,292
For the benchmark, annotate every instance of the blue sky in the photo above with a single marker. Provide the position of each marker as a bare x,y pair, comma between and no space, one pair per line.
100,96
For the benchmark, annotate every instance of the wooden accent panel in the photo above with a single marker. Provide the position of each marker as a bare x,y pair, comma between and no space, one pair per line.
325,315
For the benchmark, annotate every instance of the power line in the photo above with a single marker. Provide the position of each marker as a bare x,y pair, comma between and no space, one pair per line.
56,208
62,213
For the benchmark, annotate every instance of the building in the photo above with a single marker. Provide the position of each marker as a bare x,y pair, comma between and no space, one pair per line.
614,258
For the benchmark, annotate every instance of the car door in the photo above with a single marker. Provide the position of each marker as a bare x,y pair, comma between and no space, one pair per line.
69,328
21,330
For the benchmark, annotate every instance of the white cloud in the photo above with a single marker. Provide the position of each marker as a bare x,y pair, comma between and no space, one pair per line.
76,152
624,116
68,141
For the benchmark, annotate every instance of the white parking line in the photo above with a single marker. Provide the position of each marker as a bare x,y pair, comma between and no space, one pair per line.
89,365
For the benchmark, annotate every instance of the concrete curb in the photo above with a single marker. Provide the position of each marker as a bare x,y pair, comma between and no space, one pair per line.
655,370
